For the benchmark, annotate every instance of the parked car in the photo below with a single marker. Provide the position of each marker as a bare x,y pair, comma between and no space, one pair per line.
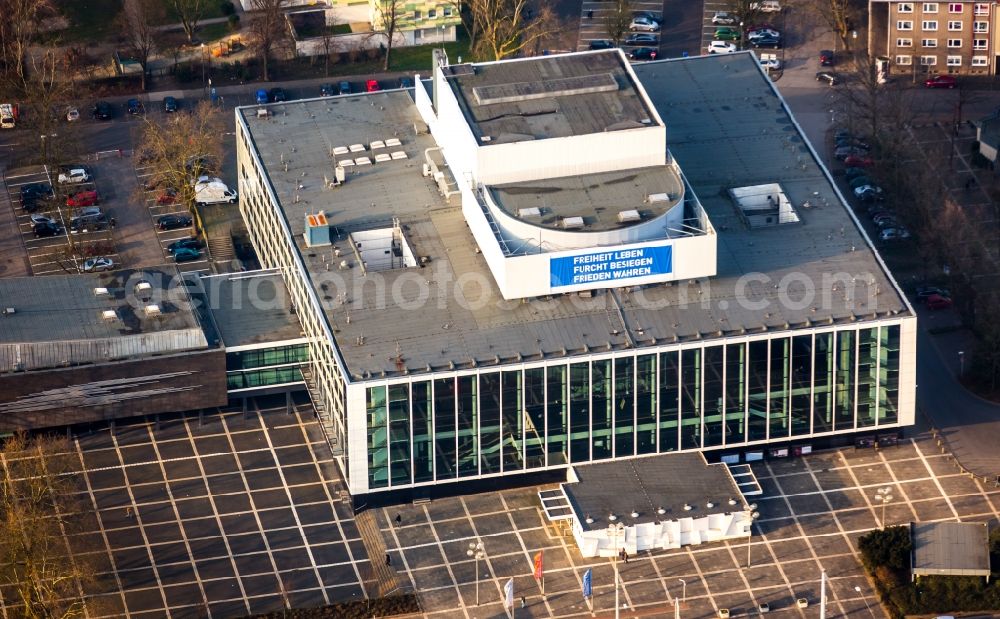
135,107
406,82
769,42
941,81
894,234
83,198
852,173
859,161
186,254
843,152
42,230
642,38
842,134
95,265
72,114
41,191
103,111
829,77
601,44
169,105
278,95
826,58
723,18
73,176
189,243
855,142
858,181
721,47
261,96
755,27
868,193
41,219
771,64
766,6
372,86
727,34
923,292
937,302
883,217
326,90
763,32
658,18
172,222
345,88
167,196
644,24
643,53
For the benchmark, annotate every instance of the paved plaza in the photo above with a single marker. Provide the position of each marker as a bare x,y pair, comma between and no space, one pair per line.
813,510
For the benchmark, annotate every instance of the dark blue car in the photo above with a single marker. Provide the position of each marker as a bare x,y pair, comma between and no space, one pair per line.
261,95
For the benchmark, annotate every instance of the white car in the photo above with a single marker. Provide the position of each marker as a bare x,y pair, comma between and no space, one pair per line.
766,6
721,47
644,24
206,180
771,64
94,265
74,176
41,219
722,18
894,234
72,114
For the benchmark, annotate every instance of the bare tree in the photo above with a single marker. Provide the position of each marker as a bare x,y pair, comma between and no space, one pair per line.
182,149
42,575
18,29
139,33
190,13
506,27
838,16
268,30
329,46
618,21
389,12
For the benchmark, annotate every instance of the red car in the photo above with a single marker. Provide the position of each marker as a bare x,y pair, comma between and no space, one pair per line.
372,86
84,198
167,196
859,161
936,302
941,81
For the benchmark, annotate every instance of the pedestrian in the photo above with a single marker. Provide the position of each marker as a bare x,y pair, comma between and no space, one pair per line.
399,519
590,14
113,223
626,555
388,559
128,511
523,603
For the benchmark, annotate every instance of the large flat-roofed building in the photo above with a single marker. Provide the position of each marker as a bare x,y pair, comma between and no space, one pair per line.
523,265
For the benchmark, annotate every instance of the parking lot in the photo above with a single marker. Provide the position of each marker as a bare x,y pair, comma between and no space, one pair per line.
221,515
813,511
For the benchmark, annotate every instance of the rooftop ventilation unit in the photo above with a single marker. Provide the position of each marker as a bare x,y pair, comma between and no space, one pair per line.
317,231
570,223
100,292
7,311
658,197
534,211
152,310
143,286
109,315
628,216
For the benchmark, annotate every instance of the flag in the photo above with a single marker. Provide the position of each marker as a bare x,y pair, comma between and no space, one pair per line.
538,565
508,594
588,587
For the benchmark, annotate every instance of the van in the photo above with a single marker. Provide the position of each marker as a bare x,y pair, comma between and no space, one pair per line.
214,193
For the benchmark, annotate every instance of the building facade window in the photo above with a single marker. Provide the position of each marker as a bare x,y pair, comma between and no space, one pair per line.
980,61
904,25
930,7
982,8
954,61
447,11
928,42
980,26
431,13
928,61
954,43
728,394
417,14
954,7
904,42
904,7
955,25
929,25
980,44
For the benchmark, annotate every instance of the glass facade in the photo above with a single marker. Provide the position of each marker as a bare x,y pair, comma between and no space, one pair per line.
264,367
709,396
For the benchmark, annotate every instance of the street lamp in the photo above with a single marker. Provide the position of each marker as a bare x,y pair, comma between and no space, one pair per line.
741,35
753,515
864,599
961,363
614,530
684,590
477,552
884,496
203,53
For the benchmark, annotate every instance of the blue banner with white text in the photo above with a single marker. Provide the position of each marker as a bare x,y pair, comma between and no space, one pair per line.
610,266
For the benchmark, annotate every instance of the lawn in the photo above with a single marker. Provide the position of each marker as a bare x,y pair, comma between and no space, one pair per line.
211,8
418,58
89,20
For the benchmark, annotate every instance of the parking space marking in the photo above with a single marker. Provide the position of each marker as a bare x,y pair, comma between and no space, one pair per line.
937,482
